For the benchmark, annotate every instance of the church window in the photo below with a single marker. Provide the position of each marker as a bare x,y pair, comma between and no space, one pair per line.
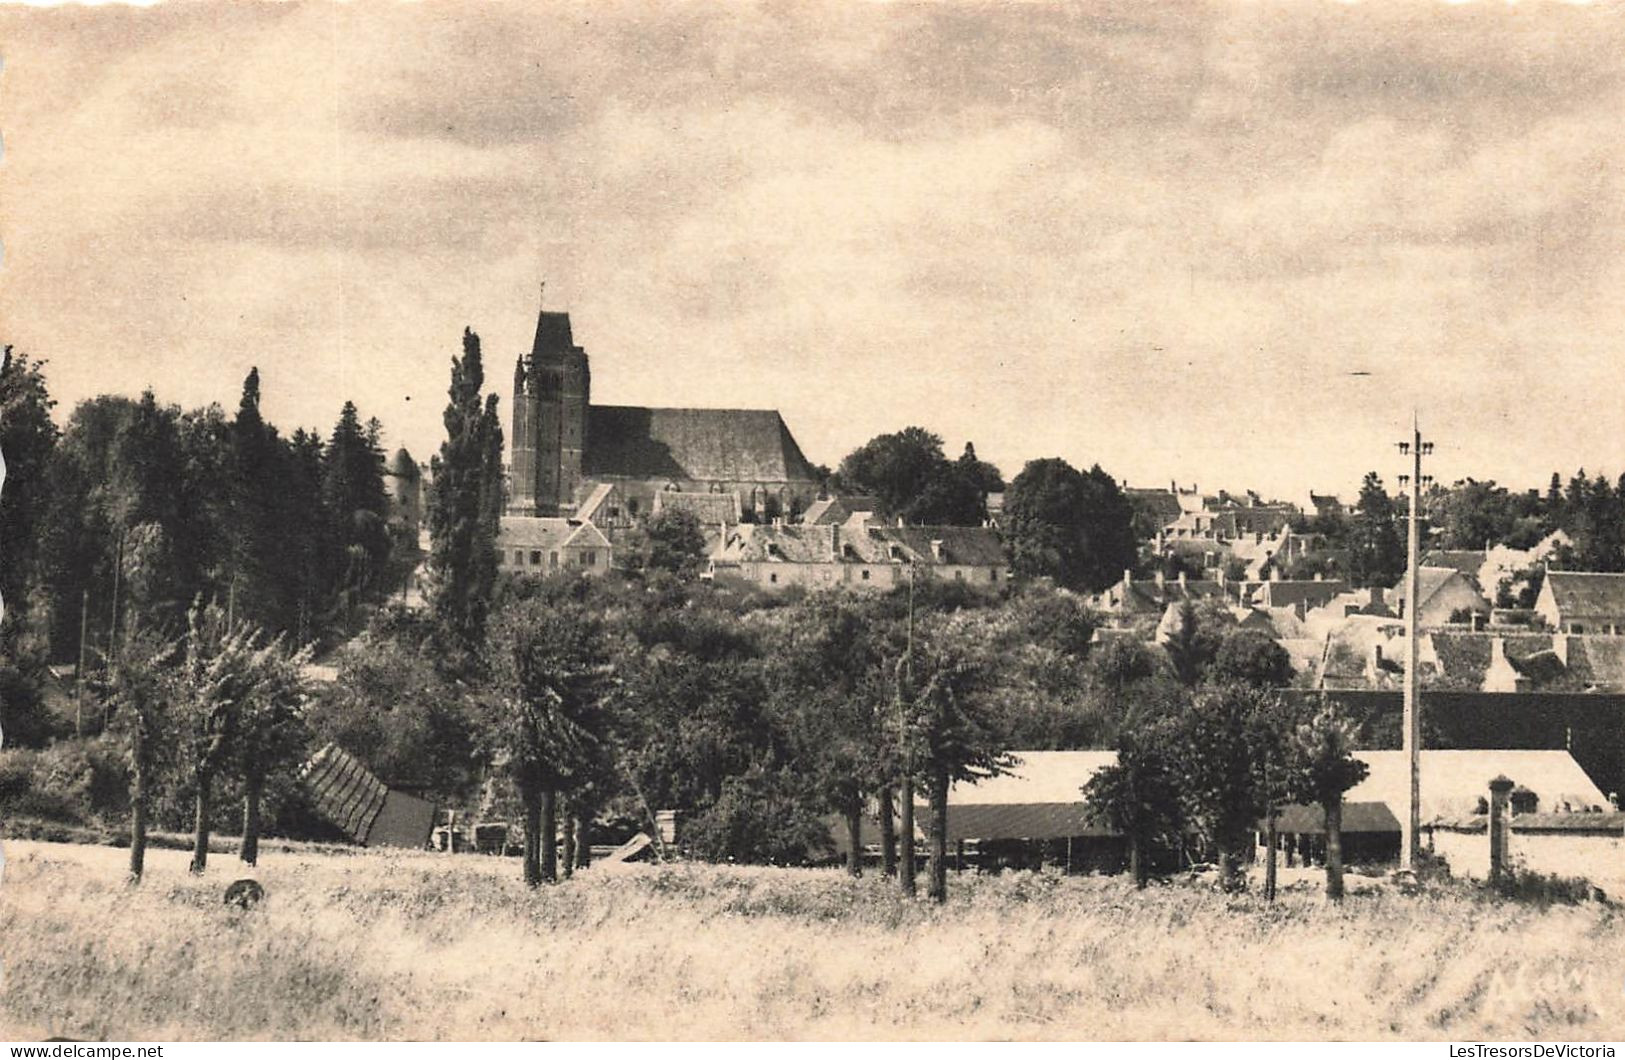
535,557
589,558
518,558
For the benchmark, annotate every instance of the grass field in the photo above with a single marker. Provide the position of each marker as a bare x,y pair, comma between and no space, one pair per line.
410,946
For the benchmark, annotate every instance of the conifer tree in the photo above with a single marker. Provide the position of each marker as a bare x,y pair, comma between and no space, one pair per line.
466,502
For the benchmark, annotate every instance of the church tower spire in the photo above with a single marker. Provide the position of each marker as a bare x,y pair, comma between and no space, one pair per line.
552,388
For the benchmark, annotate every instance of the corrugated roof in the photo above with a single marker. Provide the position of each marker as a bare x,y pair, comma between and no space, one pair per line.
1042,820
1357,817
1582,595
343,790
700,445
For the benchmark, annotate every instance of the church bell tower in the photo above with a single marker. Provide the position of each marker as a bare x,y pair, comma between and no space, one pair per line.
551,390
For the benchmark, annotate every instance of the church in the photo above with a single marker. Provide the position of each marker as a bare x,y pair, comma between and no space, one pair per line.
611,465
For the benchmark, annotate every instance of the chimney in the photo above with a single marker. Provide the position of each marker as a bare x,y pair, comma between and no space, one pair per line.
1128,577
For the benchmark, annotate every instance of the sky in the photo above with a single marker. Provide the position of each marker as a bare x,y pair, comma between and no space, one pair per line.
1229,244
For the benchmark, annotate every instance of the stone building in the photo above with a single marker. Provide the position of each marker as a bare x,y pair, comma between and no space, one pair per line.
567,452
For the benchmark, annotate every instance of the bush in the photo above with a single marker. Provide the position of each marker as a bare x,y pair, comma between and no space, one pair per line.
762,818
76,781
1526,885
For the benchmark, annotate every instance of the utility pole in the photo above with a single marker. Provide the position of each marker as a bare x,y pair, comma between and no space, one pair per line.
905,790
79,670
1416,448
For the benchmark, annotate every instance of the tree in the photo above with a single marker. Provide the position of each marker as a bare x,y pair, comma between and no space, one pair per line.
1325,769
1216,772
1252,657
220,668
1138,795
138,687
354,495
1376,555
1188,650
271,734
670,541
1076,527
393,708
465,502
829,688
951,731
28,440
552,677
893,468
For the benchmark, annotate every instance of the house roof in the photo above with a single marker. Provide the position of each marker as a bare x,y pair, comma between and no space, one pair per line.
1035,777
1292,593
1586,594
838,509
548,532
344,790
975,546
1466,561
709,508
1453,781
1357,817
1430,580
1040,820
697,445
588,509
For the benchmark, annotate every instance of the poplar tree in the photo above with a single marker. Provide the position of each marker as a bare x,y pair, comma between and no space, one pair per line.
465,502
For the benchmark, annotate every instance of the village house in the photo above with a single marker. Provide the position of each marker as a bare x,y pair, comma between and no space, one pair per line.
1139,597
1298,596
858,554
1453,783
1582,602
1444,595
542,545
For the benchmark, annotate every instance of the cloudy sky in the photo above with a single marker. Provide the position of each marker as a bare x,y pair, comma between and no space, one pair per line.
1171,239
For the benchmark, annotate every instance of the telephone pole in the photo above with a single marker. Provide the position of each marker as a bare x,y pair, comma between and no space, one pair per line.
1416,448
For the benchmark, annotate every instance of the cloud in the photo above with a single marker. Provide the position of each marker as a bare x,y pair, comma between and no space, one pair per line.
1149,236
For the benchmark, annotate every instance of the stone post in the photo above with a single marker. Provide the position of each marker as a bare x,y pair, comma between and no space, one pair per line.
1500,826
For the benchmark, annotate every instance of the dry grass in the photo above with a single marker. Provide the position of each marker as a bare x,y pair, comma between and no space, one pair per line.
410,946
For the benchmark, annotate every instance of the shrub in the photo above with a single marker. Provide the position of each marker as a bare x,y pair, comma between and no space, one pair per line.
1526,885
